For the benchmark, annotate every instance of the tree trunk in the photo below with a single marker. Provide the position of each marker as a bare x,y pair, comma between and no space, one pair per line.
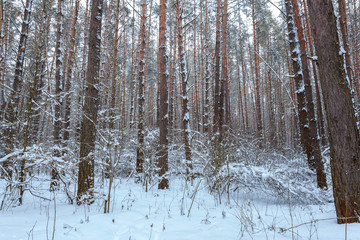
355,32
59,72
13,107
85,192
196,119
14,99
343,132
219,94
300,85
319,108
132,84
240,103
123,93
86,39
257,77
314,159
2,55
185,88
269,98
163,103
243,70
224,68
172,77
344,34
114,67
71,59
141,87
207,73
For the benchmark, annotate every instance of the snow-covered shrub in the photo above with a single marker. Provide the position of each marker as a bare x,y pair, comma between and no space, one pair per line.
282,174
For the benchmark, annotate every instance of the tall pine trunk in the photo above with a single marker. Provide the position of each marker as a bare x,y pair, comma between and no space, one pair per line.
59,72
163,98
185,88
71,60
224,67
141,88
85,193
257,76
314,155
207,73
12,110
219,94
343,132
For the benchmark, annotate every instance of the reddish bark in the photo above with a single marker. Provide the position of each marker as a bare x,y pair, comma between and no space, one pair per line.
85,193
344,34
257,76
314,154
343,132
319,108
185,88
243,70
207,73
59,72
219,95
69,71
163,103
141,85
224,68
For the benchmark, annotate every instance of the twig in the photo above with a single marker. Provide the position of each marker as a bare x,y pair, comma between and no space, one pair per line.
44,198
53,234
306,223
183,199
283,13
291,216
192,201
31,231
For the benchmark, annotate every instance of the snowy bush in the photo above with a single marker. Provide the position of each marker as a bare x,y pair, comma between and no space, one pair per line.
282,174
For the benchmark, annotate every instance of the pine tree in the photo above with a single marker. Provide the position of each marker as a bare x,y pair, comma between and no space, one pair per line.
343,132
257,75
85,193
185,88
141,88
59,72
163,98
312,144
70,65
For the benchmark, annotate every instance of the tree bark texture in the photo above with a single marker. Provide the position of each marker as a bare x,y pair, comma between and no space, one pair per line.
141,89
71,59
257,76
14,99
343,131
243,70
219,94
90,108
185,88
207,73
59,72
163,99
345,42
315,158
319,108
224,68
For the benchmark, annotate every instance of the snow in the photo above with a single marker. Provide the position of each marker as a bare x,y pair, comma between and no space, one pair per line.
137,214
301,88
314,58
342,51
187,116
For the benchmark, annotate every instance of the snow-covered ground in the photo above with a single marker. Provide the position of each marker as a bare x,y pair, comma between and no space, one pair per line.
156,214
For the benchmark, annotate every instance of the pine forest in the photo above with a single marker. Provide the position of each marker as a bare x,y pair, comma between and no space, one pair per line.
179,119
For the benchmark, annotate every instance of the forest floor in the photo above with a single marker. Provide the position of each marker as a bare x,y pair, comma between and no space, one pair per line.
169,214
